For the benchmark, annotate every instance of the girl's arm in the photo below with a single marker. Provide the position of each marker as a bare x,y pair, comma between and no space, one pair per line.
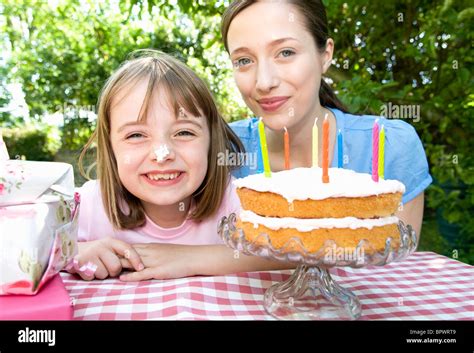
164,261
412,213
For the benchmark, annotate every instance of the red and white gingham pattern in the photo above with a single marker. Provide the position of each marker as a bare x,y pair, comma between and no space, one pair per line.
426,286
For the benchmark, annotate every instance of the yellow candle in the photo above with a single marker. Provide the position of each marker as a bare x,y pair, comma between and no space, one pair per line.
264,149
381,153
315,143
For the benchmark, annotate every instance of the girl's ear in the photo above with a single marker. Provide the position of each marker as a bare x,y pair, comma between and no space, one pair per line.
327,55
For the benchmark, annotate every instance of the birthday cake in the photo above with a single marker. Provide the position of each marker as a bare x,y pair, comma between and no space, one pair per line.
296,203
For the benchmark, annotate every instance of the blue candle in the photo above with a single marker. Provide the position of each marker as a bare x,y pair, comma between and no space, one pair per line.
340,149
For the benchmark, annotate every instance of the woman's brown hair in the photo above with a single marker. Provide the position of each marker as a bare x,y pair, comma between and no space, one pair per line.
316,22
186,90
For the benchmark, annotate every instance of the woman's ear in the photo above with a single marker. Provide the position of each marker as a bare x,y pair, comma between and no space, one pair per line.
327,55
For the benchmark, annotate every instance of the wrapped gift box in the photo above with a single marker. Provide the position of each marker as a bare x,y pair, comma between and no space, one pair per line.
38,223
51,303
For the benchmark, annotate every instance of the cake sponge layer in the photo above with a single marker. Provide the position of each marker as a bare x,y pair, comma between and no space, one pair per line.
313,240
274,205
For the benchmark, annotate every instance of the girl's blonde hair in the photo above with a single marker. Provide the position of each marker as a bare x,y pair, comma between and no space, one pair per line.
185,89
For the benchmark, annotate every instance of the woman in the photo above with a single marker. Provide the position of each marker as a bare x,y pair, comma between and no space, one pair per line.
279,53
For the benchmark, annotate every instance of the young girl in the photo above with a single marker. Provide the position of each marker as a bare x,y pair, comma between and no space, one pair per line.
160,192
279,74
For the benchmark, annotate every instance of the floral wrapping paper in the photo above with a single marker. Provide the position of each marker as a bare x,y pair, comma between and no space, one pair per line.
38,223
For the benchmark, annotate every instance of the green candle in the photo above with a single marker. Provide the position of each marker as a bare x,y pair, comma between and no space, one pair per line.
381,152
264,149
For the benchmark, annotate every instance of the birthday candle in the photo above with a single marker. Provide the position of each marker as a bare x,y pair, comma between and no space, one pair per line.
264,149
287,149
325,149
315,143
340,149
375,151
382,153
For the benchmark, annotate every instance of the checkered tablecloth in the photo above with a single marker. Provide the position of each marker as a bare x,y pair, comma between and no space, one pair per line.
426,286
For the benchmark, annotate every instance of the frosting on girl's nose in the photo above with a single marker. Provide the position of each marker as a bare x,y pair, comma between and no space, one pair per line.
161,153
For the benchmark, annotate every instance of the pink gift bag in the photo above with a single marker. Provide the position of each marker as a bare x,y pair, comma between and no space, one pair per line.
51,303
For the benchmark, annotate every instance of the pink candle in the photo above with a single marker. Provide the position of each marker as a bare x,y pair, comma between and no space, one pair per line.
325,149
375,151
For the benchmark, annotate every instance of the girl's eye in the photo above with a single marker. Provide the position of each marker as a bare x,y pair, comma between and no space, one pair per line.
286,53
185,133
241,62
134,135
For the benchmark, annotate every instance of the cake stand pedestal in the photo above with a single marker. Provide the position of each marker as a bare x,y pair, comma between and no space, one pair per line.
310,293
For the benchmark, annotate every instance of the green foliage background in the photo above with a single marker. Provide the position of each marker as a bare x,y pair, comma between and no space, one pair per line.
409,52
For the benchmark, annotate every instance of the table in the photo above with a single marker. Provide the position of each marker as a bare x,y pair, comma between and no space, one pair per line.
426,286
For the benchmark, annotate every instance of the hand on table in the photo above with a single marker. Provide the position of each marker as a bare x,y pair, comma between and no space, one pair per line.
162,261
107,254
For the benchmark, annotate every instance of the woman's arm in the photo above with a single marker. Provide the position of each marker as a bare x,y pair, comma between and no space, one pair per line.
223,260
412,213
163,261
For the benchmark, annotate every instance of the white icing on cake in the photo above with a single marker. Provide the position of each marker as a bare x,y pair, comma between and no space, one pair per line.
306,183
307,225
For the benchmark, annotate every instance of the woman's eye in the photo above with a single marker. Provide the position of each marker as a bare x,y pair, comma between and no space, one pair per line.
286,53
185,133
134,135
241,62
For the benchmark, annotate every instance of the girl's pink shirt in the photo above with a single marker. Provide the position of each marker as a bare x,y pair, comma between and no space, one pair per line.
94,224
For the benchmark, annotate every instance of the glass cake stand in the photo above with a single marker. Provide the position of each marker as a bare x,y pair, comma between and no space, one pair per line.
310,293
